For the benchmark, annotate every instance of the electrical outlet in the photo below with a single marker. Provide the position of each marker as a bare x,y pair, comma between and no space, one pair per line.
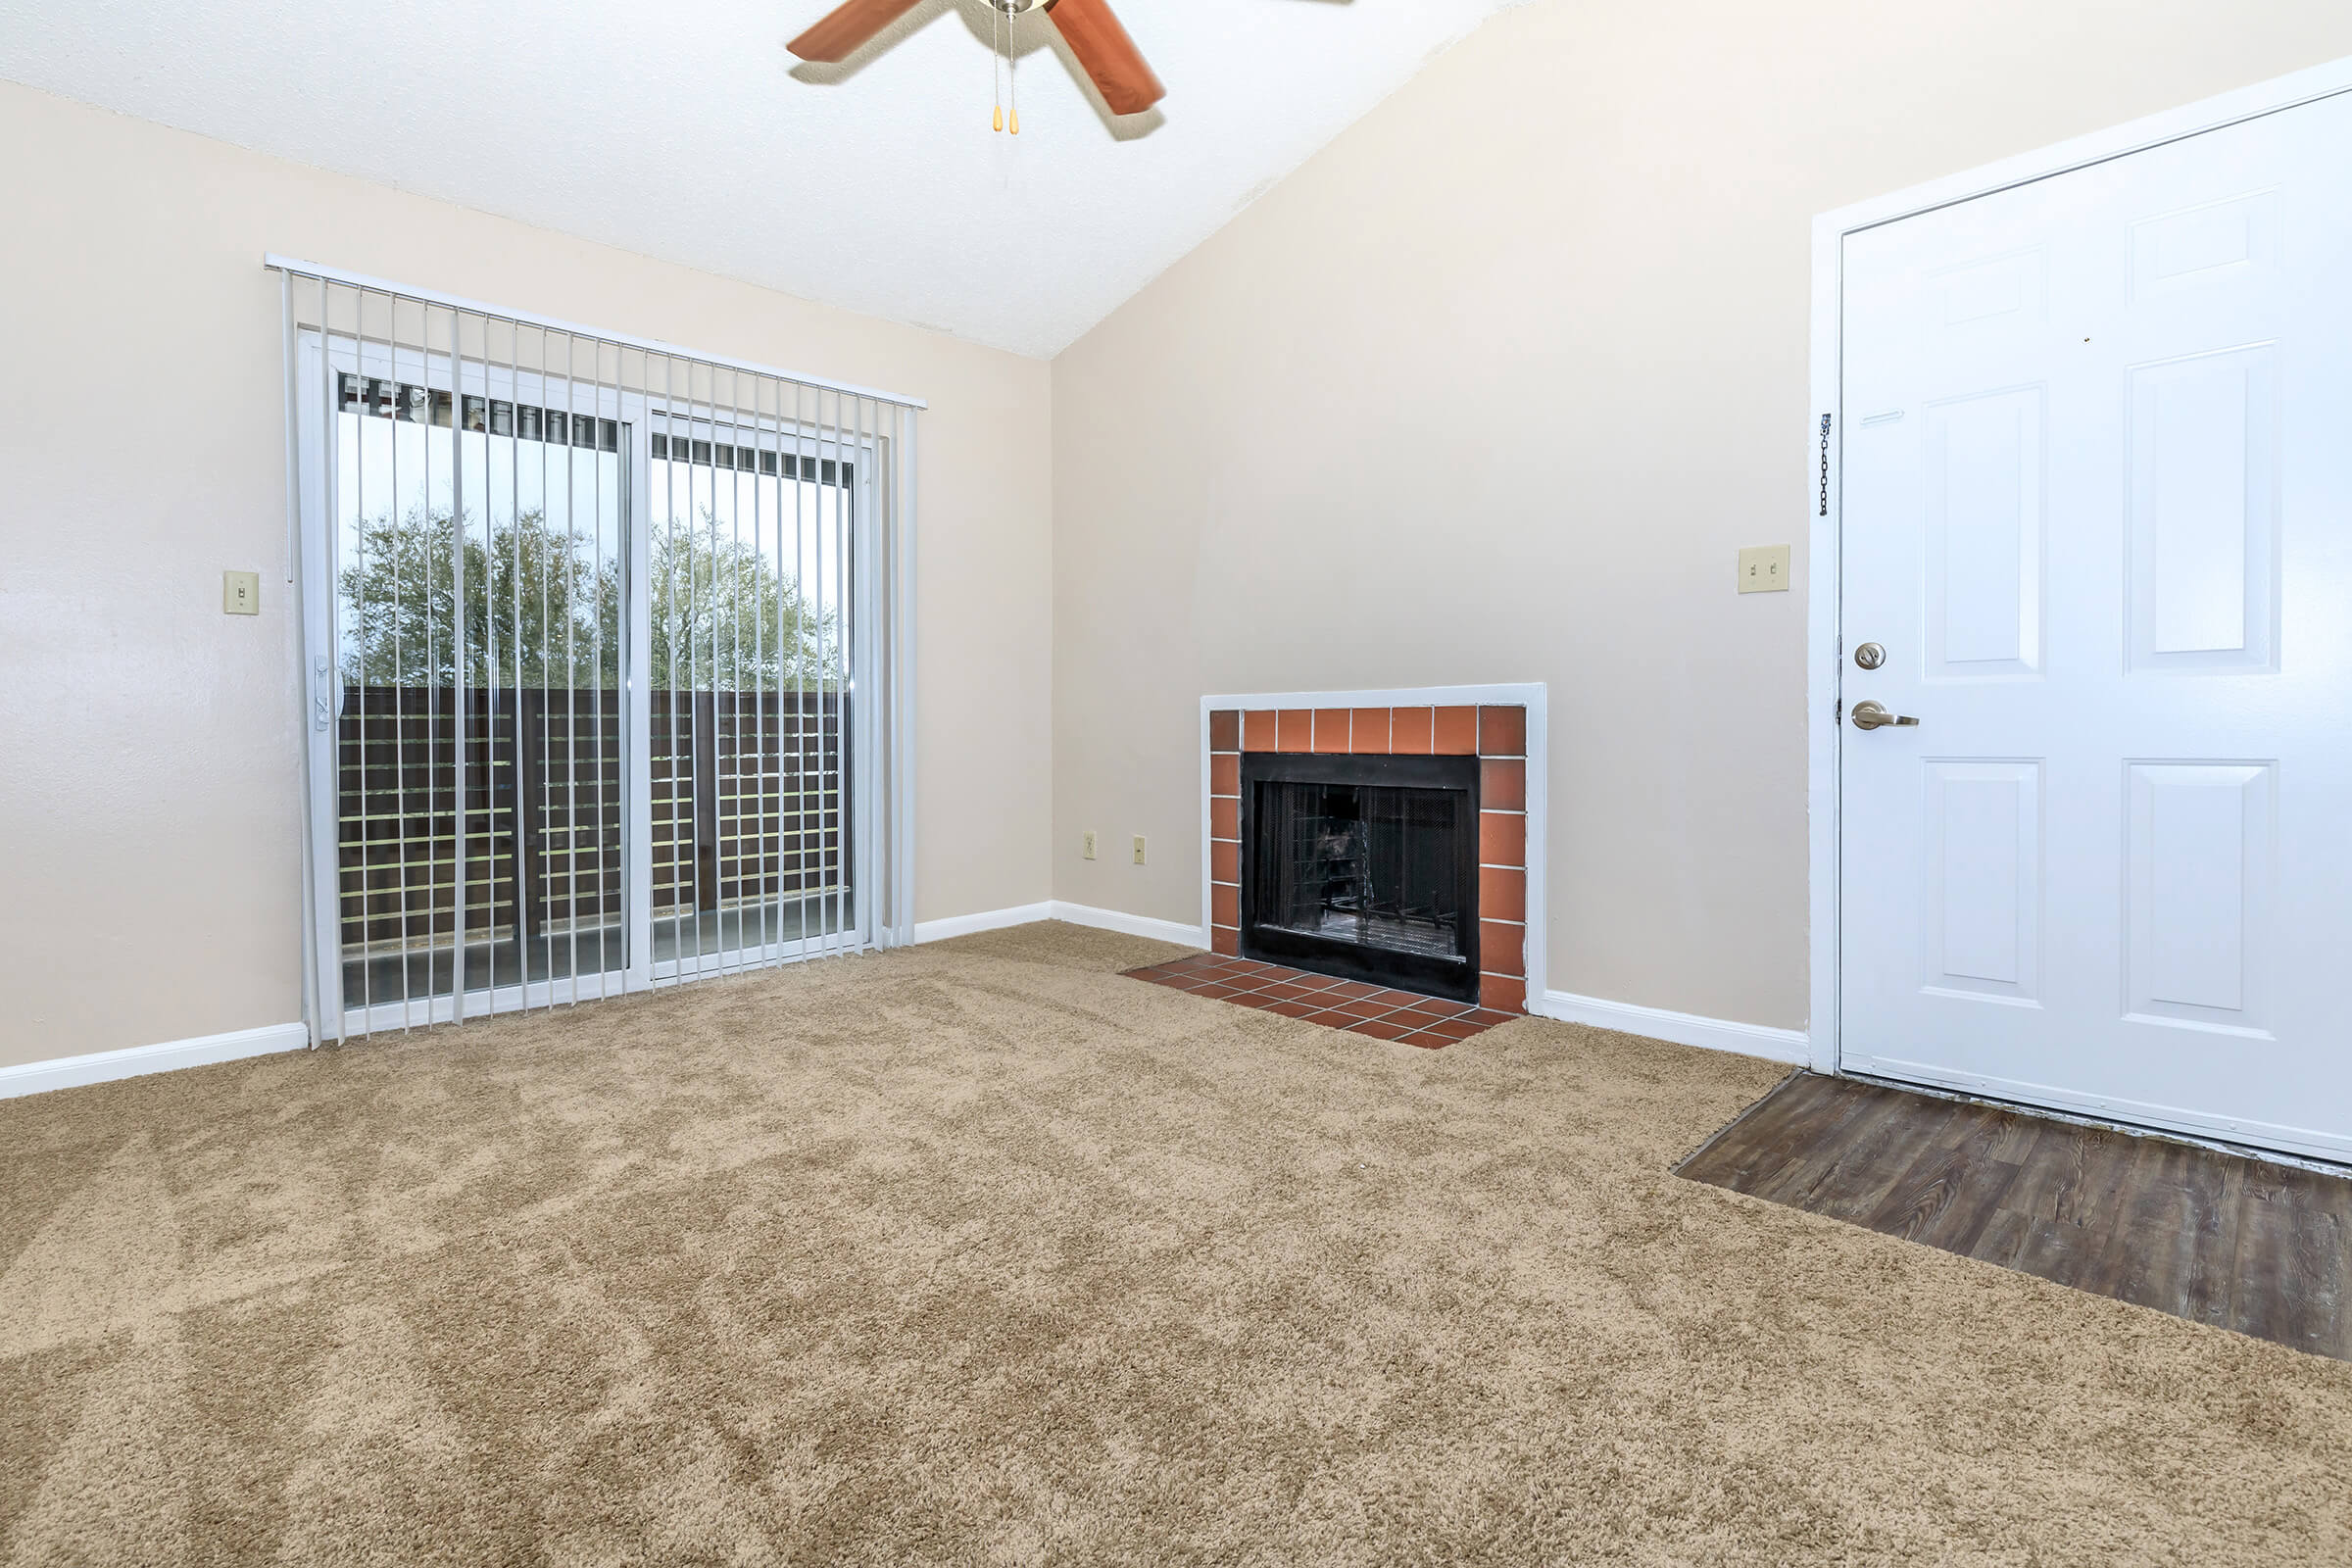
1139,849
1764,570
1088,848
241,593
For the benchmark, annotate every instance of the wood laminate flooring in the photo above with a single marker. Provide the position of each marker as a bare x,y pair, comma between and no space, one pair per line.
2216,1238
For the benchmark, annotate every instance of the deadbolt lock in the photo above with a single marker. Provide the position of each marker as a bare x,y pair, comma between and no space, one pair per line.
1870,656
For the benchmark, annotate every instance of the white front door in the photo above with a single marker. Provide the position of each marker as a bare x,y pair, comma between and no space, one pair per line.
2097,513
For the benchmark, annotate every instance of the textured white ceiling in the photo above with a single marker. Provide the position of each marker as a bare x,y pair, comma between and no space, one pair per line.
687,132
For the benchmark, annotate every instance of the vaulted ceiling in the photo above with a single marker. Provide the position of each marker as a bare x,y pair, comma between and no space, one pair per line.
687,132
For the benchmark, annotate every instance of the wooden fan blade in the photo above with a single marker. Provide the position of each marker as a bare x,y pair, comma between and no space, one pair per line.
849,28
1108,55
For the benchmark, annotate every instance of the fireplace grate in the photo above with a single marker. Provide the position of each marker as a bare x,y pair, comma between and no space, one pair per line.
1359,873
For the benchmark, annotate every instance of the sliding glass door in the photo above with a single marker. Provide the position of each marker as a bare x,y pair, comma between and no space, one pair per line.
753,647
588,641
478,639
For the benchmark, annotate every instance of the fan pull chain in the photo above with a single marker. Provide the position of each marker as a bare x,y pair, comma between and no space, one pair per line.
1013,75
995,82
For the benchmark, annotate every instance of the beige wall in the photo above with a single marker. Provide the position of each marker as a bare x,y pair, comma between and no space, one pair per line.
1490,390
1493,388
149,856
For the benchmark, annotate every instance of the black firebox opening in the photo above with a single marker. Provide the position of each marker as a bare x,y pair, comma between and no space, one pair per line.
1364,867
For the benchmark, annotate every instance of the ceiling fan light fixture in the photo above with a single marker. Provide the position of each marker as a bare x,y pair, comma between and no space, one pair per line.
848,28
1096,39
1113,62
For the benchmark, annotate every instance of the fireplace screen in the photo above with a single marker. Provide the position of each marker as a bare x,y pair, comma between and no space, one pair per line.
1364,864
1373,876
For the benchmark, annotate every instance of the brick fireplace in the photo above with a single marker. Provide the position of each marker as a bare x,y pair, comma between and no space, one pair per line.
1480,795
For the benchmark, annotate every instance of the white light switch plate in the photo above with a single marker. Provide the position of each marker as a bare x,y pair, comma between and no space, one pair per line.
1139,849
241,593
1764,570
1087,844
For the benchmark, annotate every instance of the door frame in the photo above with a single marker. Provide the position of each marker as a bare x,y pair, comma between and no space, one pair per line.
1824,458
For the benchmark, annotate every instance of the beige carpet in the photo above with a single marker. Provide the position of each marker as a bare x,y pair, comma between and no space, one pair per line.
982,1253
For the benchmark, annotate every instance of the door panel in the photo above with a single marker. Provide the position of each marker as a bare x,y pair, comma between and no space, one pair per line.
2097,509
1984,547
1982,879
477,611
753,641
2204,512
2202,863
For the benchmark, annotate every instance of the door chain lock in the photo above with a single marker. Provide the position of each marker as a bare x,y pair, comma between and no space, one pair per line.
1825,465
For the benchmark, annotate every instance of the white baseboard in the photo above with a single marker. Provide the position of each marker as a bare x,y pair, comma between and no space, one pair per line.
1790,1046
963,925
1134,925
68,1072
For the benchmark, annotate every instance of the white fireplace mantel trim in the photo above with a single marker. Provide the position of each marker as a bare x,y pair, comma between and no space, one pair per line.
1530,696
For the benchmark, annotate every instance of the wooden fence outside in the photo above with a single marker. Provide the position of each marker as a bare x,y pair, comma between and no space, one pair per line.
749,792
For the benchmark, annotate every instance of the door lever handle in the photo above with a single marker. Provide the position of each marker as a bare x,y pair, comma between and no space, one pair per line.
1874,715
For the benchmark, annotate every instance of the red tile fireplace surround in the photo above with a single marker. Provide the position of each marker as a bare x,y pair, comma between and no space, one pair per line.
1495,733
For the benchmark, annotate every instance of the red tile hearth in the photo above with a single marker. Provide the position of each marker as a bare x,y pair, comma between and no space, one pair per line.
1404,1017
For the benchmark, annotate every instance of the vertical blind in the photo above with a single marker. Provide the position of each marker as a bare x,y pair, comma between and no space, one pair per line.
607,651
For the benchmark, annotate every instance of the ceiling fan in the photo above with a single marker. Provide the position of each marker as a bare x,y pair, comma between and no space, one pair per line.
1094,34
